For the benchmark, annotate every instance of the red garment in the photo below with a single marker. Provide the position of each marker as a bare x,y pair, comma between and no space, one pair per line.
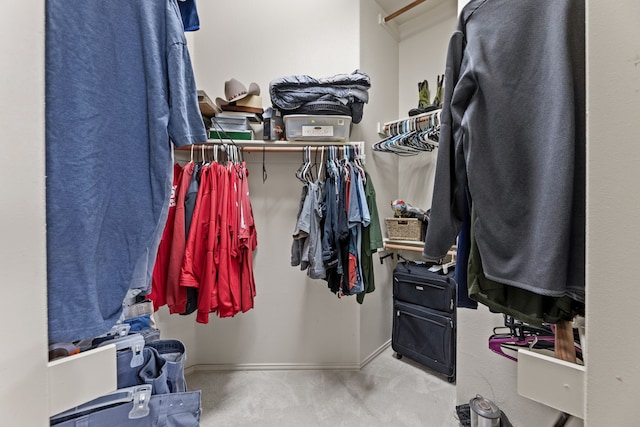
161,266
222,254
217,255
176,296
235,171
208,293
248,239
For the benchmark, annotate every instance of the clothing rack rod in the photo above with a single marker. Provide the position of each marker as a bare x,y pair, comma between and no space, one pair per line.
277,149
417,118
283,149
402,10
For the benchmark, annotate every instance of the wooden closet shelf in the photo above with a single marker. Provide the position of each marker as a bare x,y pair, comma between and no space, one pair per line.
418,118
403,245
413,246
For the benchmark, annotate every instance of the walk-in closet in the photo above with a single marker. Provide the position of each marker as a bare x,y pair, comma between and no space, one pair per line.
295,325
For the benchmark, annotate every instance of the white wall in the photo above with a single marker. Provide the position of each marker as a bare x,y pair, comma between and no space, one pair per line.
613,205
296,321
23,394
422,56
379,58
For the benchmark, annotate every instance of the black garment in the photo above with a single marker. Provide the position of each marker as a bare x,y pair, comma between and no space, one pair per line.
335,241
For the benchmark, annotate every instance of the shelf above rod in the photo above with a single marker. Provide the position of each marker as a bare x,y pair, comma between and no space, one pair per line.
394,246
270,149
413,246
423,117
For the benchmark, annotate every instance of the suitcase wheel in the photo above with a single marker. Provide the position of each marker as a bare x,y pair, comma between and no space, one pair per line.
397,356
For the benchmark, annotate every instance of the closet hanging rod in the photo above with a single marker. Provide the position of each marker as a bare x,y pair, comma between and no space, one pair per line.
277,149
417,118
402,10
281,149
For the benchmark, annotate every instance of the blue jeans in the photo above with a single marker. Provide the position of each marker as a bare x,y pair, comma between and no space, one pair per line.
149,369
174,354
163,410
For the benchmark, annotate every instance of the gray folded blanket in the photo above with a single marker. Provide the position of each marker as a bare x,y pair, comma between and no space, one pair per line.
338,94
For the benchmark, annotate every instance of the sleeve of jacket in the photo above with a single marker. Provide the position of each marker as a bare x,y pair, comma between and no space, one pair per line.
447,204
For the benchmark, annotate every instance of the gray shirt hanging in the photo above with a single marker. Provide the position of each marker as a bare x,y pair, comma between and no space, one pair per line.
513,133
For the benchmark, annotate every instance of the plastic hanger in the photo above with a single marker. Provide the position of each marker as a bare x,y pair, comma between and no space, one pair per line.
321,163
133,342
358,165
307,172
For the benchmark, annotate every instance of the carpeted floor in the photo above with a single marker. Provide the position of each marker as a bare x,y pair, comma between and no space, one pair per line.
386,392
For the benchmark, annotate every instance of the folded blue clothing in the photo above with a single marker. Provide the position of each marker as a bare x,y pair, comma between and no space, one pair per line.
189,14
139,323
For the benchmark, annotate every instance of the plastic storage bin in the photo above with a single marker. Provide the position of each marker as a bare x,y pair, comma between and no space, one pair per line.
303,127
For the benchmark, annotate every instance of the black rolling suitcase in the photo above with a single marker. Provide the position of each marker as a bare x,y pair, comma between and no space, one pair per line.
424,317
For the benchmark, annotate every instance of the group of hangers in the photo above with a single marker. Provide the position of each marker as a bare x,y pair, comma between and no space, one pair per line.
418,122
516,334
411,136
229,155
336,156
220,153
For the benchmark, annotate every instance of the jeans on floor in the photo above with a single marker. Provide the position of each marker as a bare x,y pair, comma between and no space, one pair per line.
151,371
163,410
174,354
